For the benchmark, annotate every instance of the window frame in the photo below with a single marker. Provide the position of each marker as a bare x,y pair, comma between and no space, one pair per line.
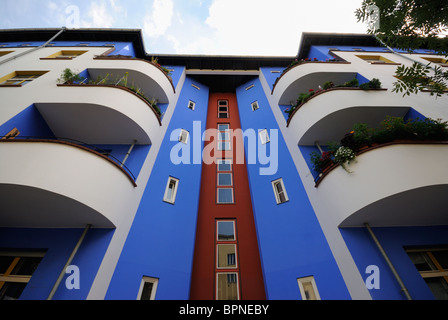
23,78
221,112
218,221
237,283
171,200
255,106
145,280
181,136
277,196
301,281
264,139
191,103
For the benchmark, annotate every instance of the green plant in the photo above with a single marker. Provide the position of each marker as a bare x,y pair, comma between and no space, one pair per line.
372,84
68,76
327,85
351,84
321,161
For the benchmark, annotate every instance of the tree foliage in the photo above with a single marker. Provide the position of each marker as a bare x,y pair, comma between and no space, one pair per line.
410,25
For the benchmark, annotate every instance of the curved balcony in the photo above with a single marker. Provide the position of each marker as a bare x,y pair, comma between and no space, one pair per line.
309,75
99,114
148,76
396,184
329,115
50,183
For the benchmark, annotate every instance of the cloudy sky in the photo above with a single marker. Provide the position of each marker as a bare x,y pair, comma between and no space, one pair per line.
217,27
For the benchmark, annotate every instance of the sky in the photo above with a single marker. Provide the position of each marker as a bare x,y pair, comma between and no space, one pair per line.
200,27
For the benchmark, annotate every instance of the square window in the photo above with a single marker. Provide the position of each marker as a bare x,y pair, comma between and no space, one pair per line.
225,195
279,191
171,190
224,179
183,136
226,230
191,105
255,106
308,289
264,136
224,165
226,256
227,286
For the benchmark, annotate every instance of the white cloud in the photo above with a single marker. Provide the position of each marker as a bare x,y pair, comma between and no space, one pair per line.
99,15
264,27
159,19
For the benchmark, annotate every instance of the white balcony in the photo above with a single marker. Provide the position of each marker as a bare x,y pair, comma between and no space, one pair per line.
99,115
53,184
328,116
394,185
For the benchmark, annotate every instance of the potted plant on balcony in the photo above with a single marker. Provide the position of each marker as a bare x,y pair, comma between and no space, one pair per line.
68,76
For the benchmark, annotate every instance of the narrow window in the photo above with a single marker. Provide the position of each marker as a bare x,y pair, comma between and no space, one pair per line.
226,257
375,59
171,190
195,86
255,105
279,191
65,54
148,288
250,87
308,289
264,136
223,109
223,137
191,105
183,136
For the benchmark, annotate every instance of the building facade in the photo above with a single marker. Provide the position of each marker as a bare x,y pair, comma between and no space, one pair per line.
126,175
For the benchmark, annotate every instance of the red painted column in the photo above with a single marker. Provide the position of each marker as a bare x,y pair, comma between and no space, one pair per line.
248,267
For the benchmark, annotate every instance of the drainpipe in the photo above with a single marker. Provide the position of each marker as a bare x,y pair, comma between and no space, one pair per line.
34,49
129,152
69,261
397,276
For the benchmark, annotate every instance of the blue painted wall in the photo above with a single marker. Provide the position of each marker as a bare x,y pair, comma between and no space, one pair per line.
163,234
291,242
393,240
58,244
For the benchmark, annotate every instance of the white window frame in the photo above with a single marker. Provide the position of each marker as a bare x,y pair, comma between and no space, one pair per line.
225,161
174,194
311,279
217,230
223,188
255,106
183,136
277,196
229,267
264,136
145,280
191,105
225,173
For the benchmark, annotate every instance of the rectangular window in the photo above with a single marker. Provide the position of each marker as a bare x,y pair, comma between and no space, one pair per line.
226,257
308,289
279,191
4,53
432,264
264,136
171,190
223,109
148,288
224,137
440,61
225,230
225,179
224,165
20,78
225,195
183,136
65,54
227,286
255,105
16,270
375,59
191,105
